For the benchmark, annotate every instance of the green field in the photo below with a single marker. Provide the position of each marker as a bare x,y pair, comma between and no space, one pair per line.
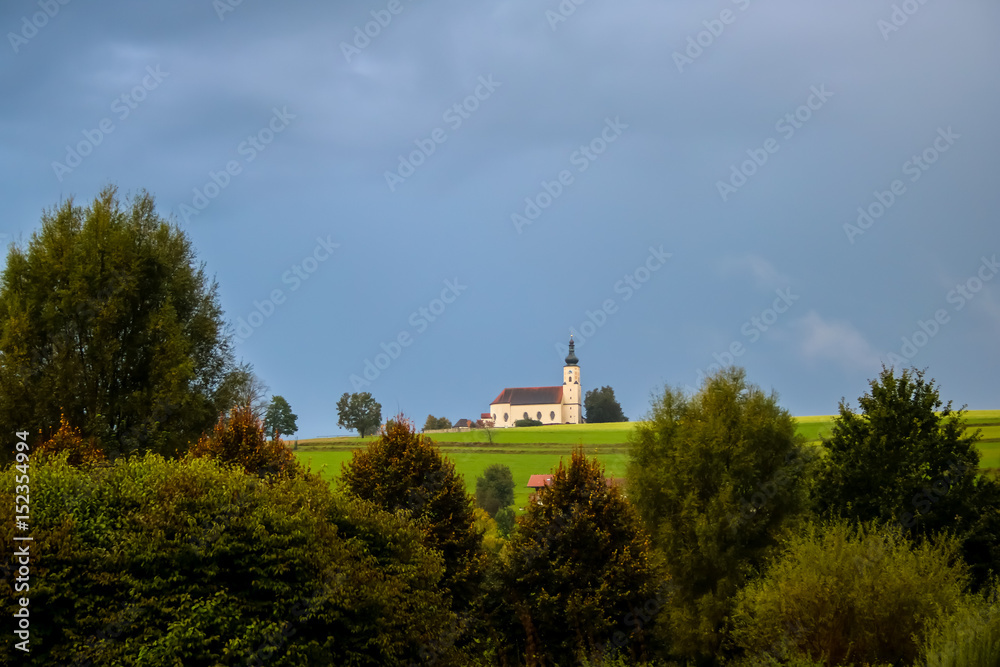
537,450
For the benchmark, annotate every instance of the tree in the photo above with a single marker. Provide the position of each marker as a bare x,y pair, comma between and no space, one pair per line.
403,471
601,407
435,423
243,387
716,477
279,419
107,319
579,570
359,412
908,459
495,489
850,594
239,438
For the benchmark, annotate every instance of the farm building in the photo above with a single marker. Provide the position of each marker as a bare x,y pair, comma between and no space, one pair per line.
549,405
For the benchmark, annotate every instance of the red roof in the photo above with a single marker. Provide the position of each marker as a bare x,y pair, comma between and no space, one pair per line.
538,481
530,396
485,415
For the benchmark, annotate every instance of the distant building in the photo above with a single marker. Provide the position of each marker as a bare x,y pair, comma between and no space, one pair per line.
464,423
535,482
549,405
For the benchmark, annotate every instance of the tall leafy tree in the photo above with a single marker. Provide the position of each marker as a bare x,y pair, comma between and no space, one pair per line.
360,412
242,387
909,459
107,319
602,407
716,478
495,488
279,419
403,471
580,576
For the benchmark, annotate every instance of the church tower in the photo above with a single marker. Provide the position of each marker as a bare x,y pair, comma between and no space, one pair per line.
571,388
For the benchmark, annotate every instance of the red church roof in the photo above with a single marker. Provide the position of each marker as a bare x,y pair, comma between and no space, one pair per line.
530,396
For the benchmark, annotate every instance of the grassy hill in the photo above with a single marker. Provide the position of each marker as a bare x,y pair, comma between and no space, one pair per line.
539,449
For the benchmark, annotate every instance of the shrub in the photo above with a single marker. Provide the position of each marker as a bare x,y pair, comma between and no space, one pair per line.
239,439
67,440
970,638
163,563
850,595
527,422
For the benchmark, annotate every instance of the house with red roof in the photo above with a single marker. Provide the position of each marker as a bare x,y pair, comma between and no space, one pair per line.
549,405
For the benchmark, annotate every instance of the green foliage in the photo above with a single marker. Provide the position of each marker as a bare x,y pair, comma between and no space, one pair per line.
970,638
716,478
906,458
403,471
106,317
155,562
436,423
239,439
579,576
506,519
279,419
850,595
601,406
527,422
495,488
359,412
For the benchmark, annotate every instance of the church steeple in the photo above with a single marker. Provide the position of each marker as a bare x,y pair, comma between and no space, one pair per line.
571,359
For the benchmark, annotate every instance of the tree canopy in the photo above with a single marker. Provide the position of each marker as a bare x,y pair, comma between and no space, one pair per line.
495,488
434,423
107,320
279,419
360,412
715,477
601,406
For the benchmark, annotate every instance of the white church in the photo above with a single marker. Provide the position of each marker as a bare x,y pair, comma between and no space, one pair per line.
549,405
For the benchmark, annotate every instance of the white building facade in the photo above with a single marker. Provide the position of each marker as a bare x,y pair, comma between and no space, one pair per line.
549,405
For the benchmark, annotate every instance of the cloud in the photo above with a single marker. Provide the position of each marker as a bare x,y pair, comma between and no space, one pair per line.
764,274
836,341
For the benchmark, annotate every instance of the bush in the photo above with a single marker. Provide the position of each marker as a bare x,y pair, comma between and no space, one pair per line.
239,439
970,638
527,422
162,563
850,595
67,440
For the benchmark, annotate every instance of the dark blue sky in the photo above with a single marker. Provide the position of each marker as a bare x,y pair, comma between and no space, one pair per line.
456,190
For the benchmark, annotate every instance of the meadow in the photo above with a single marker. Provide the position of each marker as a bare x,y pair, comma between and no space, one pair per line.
539,449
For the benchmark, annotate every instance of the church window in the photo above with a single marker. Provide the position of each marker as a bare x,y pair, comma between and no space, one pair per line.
505,415
539,416
552,415
525,415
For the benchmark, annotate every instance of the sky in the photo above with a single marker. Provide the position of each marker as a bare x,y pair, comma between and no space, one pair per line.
424,199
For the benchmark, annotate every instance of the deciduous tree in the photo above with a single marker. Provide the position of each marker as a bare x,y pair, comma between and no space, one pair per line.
602,407
279,419
107,318
716,478
495,488
359,412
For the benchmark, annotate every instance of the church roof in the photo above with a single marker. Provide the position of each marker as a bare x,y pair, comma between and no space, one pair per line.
530,396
